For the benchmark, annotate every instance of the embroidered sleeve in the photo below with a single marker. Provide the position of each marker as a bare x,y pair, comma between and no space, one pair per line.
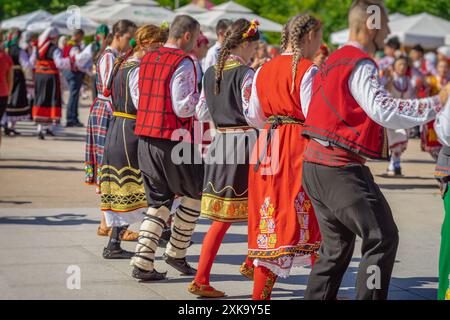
133,83
382,107
201,110
254,113
246,89
442,125
105,70
184,90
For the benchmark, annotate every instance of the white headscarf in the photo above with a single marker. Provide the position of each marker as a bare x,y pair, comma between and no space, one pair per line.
45,39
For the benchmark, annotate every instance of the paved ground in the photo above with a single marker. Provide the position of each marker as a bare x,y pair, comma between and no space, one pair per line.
48,221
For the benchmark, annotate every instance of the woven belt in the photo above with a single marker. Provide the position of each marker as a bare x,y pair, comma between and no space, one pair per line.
124,115
275,121
17,67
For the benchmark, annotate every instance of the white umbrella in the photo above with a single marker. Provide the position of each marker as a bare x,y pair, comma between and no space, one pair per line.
23,21
341,37
139,11
191,9
233,11
65,23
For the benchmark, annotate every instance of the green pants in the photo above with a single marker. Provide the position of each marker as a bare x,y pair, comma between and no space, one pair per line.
444,257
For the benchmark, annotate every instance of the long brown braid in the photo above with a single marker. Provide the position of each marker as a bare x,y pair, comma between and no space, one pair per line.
234,36
299,28
285,35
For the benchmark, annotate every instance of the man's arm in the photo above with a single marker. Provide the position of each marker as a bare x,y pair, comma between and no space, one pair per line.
382,107
183,88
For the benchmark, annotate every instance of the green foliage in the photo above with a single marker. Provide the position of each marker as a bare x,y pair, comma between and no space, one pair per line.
333,13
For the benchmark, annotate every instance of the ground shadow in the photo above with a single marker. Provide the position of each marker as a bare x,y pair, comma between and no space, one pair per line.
404,177
64,219
15,202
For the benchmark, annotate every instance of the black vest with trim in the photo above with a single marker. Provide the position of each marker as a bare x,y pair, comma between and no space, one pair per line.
442,172
226,108
121,94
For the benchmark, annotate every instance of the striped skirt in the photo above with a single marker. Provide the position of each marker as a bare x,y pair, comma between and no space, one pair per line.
98,123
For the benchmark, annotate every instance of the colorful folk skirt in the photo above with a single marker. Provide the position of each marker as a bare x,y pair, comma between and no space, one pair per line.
123,199
97,127
47,103
429,140
225,184
282,228
19,108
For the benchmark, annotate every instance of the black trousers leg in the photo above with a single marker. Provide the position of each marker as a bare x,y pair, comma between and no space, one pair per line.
347,201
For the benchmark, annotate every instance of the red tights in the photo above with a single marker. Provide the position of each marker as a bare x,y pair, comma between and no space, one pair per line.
211,244
264,280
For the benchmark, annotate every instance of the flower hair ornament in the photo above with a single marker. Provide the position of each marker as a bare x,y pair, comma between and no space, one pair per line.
252,30
165,25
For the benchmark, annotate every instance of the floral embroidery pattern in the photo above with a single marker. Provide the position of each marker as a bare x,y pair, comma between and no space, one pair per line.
267,237
302,207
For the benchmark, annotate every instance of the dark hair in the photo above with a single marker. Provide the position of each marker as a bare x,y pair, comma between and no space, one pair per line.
78,32
419,48
123,26
402,57
222,25
182,24
233,38
393,43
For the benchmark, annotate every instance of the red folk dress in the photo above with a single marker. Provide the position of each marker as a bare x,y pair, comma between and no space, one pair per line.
282,227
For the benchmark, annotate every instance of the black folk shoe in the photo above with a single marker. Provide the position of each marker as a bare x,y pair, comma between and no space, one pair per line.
180,265
145,276
117,254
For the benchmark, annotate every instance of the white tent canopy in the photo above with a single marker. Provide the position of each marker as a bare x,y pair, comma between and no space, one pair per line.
23,21
425,29
87,9
233,11
341,37
63,21
139,11
191,9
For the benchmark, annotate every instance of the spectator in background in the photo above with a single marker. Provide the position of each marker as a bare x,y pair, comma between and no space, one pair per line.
417,56
6,79
198,54
213,52
261,56
390,49
273,51
321,55
443,53
74,78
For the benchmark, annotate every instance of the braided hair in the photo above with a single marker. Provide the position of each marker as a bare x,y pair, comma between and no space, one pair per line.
236,34
145,35
299,27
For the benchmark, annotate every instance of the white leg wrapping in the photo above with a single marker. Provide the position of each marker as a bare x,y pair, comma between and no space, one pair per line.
149,234
183,226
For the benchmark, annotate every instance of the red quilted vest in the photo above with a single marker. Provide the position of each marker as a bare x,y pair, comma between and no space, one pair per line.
335,116
155,117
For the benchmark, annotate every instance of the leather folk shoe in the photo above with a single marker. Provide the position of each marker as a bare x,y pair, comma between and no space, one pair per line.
144,275
117,254
205,291
180,264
